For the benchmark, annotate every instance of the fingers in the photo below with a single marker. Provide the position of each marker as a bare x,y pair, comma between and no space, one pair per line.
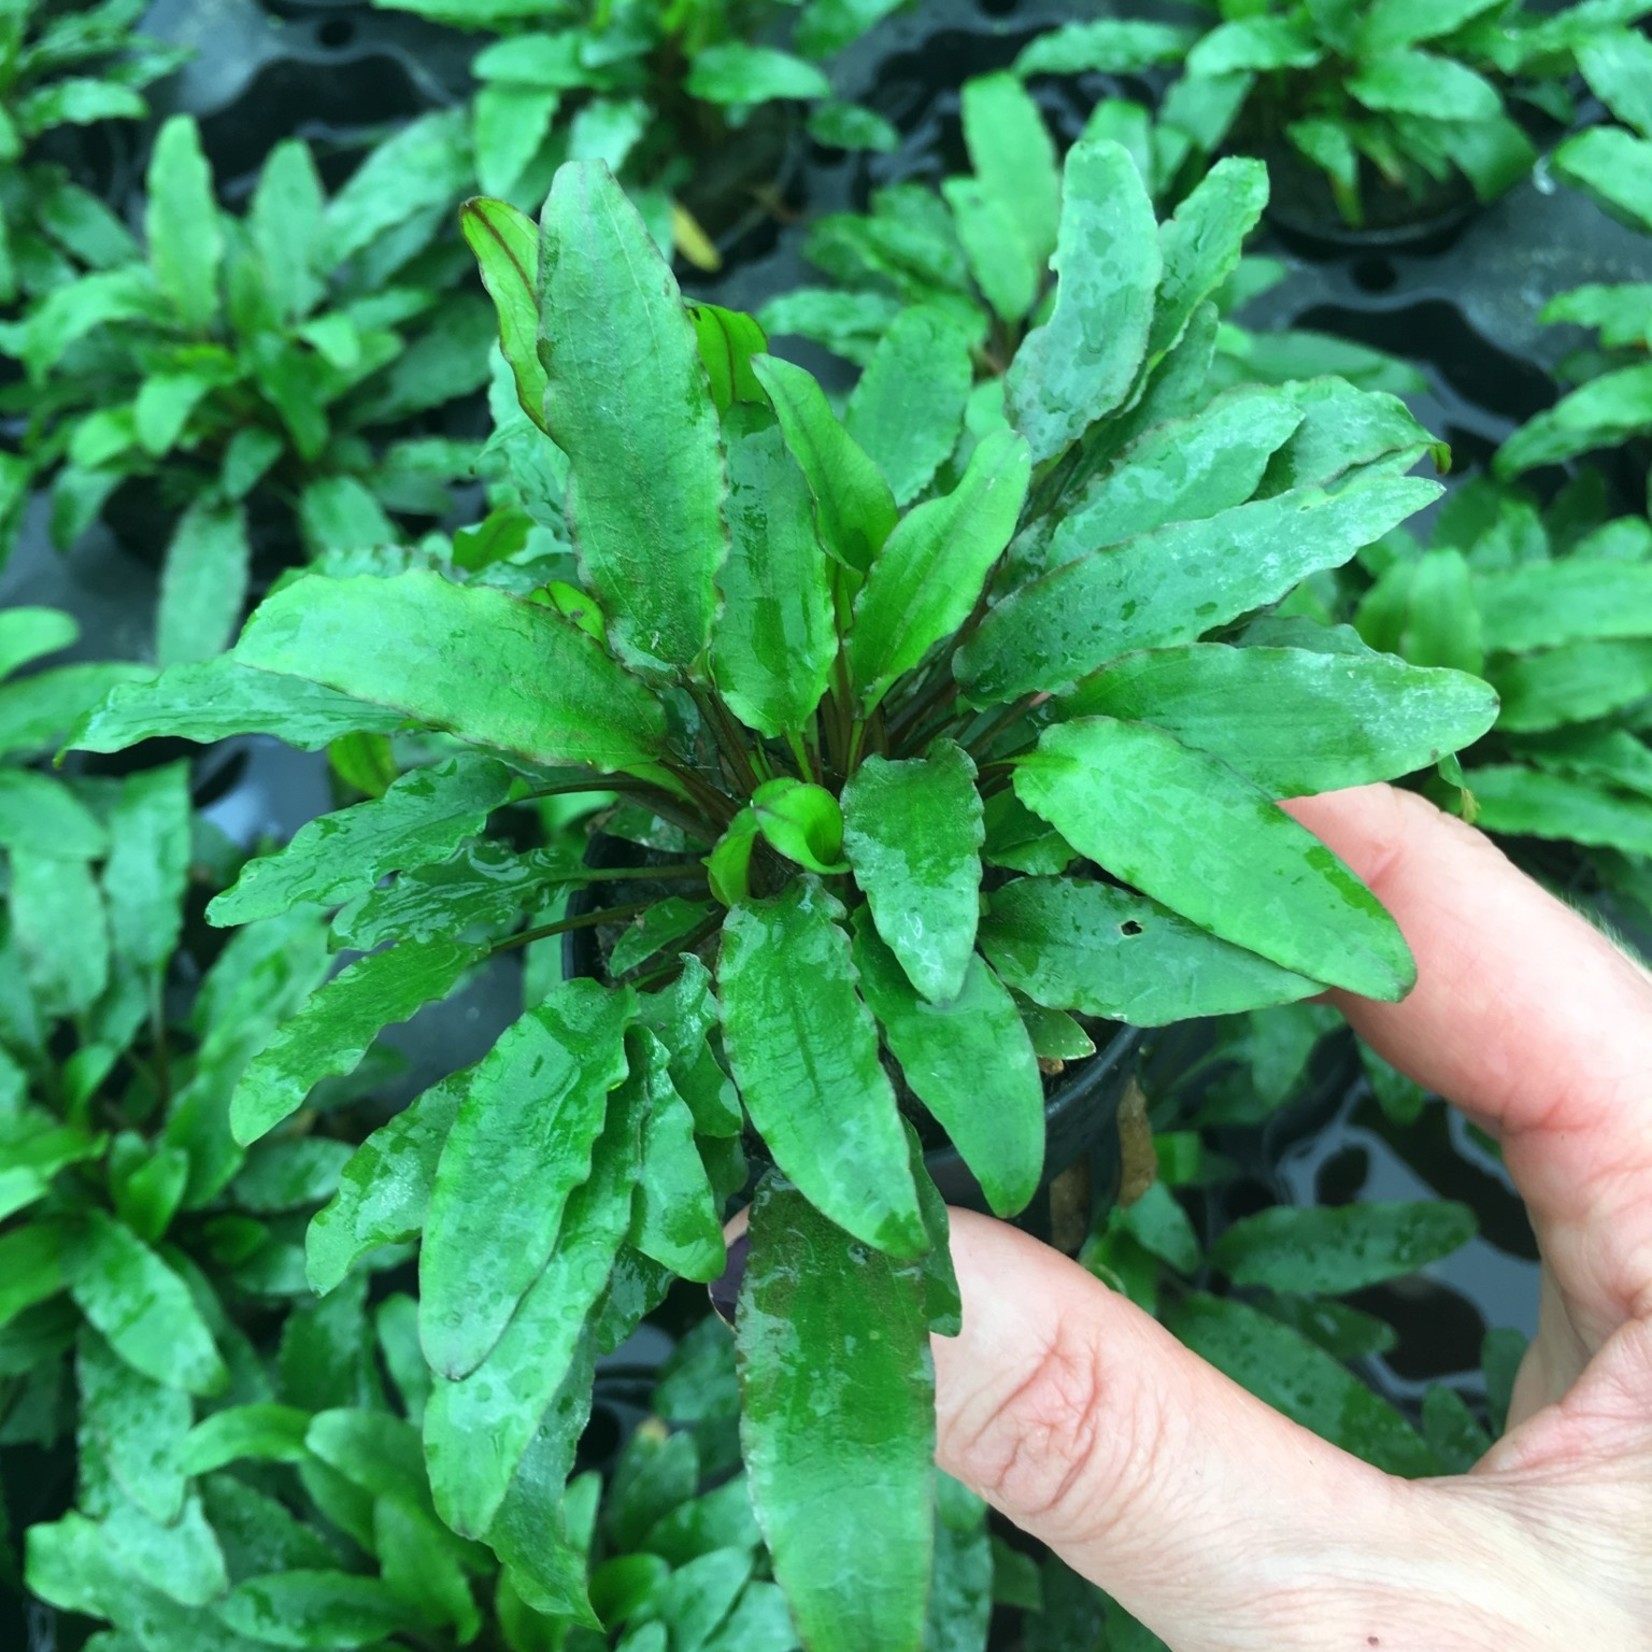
1527,1018
1205,1513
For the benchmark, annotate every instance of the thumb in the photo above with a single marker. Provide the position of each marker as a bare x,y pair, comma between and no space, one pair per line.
1213,1519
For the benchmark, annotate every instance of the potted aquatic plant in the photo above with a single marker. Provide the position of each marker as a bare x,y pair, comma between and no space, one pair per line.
917,721
1386,121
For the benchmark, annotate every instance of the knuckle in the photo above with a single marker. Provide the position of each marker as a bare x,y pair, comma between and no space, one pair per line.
1046,1450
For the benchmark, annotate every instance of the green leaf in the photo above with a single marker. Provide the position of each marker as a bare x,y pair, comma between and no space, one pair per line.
204,583
384,1190
40,815
1418,83
506,245
148,865
1335,1251
852,126
1617,64
421,1568
179,1558
314,1610
285,1175
1293,721
1181,471
1524,803
774,642
34,1149
854,508
1201,244
520,1144
954,1053
163,408
928,576
220,698
1452,1431
509,125
908,408
678,1217
727,341
328,1037
838,1425
1388,24
28,634
1571,684
143,1309
31,1267
419,819
1338,1329
1014,161
181,223
627,400
802,822
735,72
264,1432
1283,1368
1083,361
1542,604
1161,1227
1174,584
804,1052
1604,412
913,833
1110,46
486,886
684,1017
57,920
423,168
660,927
284,221
1187,831
76,101
477,1431
1253,43
1090,947
139,1428
452,657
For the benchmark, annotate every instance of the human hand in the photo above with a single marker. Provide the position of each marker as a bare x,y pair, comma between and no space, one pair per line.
1226,1528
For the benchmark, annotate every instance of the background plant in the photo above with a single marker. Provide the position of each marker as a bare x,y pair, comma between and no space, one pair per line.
656,92
1396,95
262,378
924,271
62,71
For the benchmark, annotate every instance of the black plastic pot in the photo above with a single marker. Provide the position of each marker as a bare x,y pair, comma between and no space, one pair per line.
1304,215
1080,1116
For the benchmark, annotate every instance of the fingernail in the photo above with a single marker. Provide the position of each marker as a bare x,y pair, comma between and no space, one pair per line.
724,1291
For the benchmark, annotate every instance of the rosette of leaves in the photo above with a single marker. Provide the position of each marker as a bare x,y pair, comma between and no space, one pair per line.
922,776
62,70
1394,104
657,91
258,380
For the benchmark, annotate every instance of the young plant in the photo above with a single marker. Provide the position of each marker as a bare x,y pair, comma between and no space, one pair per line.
904,766
298,1508
660,92
1391,103
1611,403
61,70
1555,608
925,274
260,379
